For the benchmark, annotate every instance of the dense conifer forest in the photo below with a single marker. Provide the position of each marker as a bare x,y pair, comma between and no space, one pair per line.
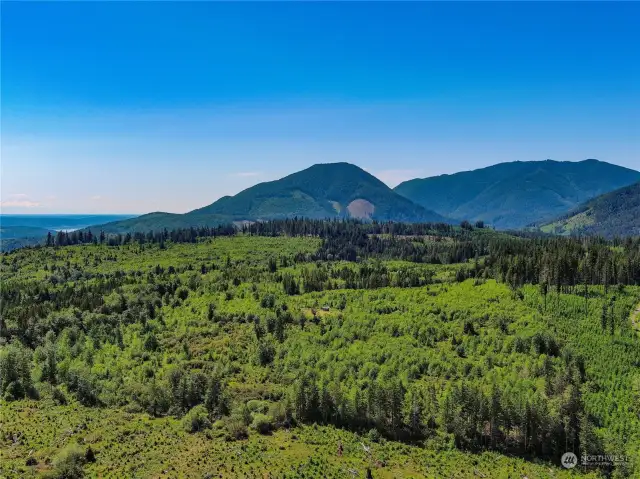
303,348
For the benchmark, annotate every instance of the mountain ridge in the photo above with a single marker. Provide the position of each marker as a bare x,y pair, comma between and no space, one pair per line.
512,195
328,188
616,213
321,191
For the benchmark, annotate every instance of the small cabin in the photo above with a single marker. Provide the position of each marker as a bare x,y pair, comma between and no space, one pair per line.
325,308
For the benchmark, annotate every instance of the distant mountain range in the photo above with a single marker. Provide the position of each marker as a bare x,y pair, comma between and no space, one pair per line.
505,196
613,214
17,231
513,195
332,190
13,237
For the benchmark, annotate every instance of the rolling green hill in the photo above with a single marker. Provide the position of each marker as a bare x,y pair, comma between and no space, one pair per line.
612,214
158,221
513,195
332,190
12,237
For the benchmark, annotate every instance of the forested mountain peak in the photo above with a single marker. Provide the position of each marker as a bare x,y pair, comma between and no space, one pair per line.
514,194
506,196
325,190
321,191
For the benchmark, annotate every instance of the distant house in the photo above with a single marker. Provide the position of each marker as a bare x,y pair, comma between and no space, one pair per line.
325,308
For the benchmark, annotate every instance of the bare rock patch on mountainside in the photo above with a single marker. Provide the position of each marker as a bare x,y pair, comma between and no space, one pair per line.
361,209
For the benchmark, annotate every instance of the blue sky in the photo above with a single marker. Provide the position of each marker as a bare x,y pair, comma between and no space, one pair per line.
123,107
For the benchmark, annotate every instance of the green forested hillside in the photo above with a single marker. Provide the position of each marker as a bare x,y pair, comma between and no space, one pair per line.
506,195
12,237
159,221
315,349
613,214
513,195
332,190
321,191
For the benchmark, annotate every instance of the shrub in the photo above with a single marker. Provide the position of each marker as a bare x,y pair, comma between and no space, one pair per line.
68,464
151,342
243,414
81,382
373,435
262,423
13,391
255,405
281,414
197,419
266,353
268,301
236,428
182,293
58,396
90,455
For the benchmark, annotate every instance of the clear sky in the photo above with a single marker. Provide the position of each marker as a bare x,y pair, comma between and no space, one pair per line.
125,107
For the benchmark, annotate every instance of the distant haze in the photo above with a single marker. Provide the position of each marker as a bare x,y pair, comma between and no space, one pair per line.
55,222
133,107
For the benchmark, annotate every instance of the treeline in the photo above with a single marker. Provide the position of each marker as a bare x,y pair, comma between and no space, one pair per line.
562,263
324,277
556,261
497,416
337,227
565,263
287,227
179,235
